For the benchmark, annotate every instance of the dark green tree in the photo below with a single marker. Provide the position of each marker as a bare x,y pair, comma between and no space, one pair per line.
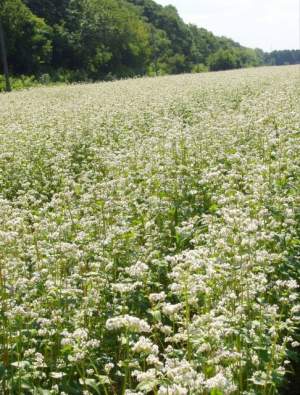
283,57
100,39
223,59
4,58
104,36
175,57
233,58
52,11
29,46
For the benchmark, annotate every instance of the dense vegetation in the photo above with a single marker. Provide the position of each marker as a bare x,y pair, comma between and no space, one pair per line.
149,235
72,40
105,39
283,57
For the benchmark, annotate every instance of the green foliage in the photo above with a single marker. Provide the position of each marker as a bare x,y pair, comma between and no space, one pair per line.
171,39
205,44
283,57
234,58
75,40
30,81
20,82
223,59
200,68
52,11
28,38
96,37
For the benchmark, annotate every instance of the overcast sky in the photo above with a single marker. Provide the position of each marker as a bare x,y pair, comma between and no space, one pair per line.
265,24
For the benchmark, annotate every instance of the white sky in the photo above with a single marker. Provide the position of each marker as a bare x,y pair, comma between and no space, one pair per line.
265,24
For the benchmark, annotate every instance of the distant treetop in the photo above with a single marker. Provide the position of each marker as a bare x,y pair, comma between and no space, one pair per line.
106,39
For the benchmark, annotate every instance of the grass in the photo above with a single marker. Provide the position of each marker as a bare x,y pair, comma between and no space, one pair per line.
149,235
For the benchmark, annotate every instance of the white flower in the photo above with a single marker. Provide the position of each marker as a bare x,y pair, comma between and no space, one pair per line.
134,324
222,383
108,367
295,344
147,376
157,297
138,270
173,389
171,309
57,375
145,346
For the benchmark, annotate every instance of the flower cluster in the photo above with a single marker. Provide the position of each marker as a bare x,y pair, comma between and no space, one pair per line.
149,235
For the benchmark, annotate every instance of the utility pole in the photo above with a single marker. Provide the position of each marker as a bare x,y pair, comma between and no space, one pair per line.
4,58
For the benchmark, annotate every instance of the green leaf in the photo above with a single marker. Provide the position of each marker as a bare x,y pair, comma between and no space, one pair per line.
216,391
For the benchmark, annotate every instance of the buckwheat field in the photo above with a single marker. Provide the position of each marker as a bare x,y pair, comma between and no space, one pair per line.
149,235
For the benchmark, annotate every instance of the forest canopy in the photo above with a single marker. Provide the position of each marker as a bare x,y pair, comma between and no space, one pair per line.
76,40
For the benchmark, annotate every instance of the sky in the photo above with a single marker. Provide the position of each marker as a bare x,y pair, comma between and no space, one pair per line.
265,24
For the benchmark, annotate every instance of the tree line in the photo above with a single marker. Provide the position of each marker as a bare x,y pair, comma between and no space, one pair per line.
74,40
